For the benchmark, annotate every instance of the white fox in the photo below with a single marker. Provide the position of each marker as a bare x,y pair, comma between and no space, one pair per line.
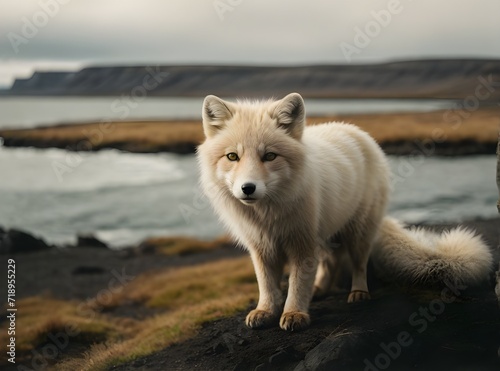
284,191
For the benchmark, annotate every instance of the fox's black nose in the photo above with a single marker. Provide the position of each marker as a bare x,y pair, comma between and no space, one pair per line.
248,188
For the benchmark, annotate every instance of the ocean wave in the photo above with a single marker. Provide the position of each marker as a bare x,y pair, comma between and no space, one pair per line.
35,170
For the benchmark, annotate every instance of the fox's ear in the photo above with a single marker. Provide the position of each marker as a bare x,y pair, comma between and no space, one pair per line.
290,113
215,113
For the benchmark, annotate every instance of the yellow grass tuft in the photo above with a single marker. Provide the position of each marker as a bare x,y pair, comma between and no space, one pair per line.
38,317
183,245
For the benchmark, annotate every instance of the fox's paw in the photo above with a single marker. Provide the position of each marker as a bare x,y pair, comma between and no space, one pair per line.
260,318
294,321
358,295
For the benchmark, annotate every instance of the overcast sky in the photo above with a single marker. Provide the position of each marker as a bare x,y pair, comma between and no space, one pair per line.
61,34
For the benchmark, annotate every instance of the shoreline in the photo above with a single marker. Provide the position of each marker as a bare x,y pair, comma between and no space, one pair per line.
441,133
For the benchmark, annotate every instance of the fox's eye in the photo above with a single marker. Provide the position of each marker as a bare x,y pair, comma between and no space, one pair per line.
232,156
269,156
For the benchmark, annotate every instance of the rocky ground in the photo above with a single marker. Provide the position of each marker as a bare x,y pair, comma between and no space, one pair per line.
401,328
398,328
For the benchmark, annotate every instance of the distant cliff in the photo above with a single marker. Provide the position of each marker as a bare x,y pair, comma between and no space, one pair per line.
411,79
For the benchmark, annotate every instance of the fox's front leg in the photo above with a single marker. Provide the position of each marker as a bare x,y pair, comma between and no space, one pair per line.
269,270
302,273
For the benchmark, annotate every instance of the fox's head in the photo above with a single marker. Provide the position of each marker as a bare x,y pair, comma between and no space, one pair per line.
253,149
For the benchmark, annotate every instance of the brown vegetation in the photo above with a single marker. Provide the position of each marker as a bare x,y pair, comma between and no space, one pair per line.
481,125
182,245
182,136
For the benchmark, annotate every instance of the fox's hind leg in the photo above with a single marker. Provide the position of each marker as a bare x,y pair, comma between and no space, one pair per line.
327,275
359,260
358,237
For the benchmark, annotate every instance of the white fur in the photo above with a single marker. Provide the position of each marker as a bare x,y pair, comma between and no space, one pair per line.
423,257
329,180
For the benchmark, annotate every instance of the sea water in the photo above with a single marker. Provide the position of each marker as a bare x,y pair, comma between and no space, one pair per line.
124,197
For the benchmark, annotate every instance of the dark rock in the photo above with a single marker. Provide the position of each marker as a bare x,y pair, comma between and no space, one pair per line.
286,348
127,253
260,367
242,342
332,349
146,248
448,148
242,366
90,241
218,348
278,358
87,270
215,333
139,363
18,241
181,148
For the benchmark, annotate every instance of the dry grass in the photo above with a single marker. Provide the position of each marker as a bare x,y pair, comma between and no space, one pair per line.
184,299
37,317
149,133
183,245
481,125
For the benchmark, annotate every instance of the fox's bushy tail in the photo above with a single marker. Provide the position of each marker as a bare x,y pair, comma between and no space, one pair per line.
425,257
